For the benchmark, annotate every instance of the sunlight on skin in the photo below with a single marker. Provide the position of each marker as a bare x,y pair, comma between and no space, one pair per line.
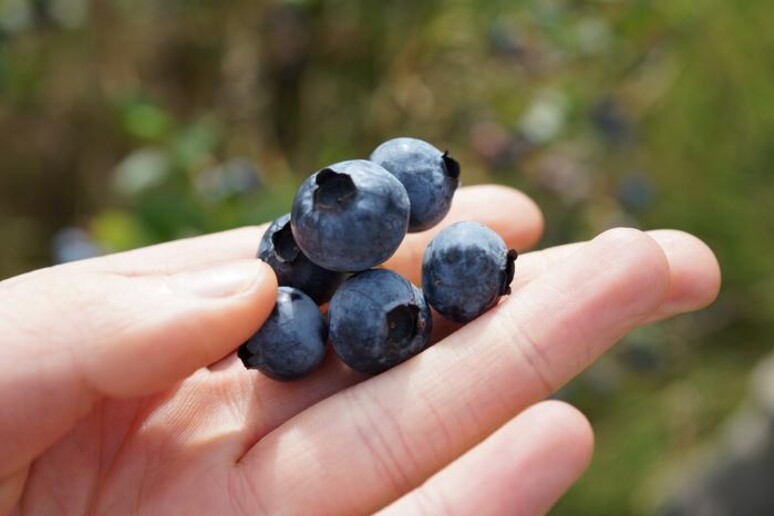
192,446
523,468
397,429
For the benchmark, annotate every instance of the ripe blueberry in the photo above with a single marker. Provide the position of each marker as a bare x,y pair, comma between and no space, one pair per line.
429,176
378,320
293,268
465,270
350,216
291,343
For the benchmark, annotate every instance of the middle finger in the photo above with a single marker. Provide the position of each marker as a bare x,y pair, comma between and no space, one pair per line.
383,437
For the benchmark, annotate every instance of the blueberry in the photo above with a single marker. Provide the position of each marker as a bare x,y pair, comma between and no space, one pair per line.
291,343
378,320
429,176
293,268
465,270
350,216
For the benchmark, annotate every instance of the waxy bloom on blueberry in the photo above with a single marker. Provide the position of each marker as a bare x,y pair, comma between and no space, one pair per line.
278,248
350,216
465,270
291,343
430,177
378,320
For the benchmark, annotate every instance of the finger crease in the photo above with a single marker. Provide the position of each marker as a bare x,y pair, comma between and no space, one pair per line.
529,349
377,444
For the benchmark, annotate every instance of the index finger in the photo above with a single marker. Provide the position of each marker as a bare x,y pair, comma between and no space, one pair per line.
506,210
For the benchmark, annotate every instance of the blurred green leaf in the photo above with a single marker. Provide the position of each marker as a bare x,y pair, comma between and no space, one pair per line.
118,231
145,121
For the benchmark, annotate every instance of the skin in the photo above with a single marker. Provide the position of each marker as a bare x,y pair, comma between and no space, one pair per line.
120,391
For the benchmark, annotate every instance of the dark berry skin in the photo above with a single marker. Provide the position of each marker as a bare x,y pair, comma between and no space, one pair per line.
465,270
378,320
430,177
278,248
350,216
291,343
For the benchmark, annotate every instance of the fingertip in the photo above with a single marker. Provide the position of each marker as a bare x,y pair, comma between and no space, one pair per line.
696,273
250,309
647,269
573,432
224,280
514,215
563,443
181,323
531,231
551,445
267,279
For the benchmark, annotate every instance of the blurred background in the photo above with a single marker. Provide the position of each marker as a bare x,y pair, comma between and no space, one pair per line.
129,122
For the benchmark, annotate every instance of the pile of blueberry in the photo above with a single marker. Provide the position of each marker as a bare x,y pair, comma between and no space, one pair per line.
349,218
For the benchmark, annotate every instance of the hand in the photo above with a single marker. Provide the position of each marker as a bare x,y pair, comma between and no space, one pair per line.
107,403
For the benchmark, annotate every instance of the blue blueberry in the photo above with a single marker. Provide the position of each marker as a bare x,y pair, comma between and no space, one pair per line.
278,248
429,176
291,343
378,320
350,216
465,270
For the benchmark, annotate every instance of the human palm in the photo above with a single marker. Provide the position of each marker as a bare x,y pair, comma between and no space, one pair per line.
108,405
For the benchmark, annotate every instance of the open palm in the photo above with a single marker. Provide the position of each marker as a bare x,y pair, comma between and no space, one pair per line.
107,405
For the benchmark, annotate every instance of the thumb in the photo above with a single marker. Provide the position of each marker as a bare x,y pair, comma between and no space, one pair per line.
71,337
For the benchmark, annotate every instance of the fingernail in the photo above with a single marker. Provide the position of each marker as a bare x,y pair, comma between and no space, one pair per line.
224,280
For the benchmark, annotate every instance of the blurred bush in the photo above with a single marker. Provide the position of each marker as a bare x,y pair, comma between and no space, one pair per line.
126,123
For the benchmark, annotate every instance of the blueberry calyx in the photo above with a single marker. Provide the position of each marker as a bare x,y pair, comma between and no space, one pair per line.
244,354
510,267
333,190
466,268
350,216
279,249
285,247
402,322
451,166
